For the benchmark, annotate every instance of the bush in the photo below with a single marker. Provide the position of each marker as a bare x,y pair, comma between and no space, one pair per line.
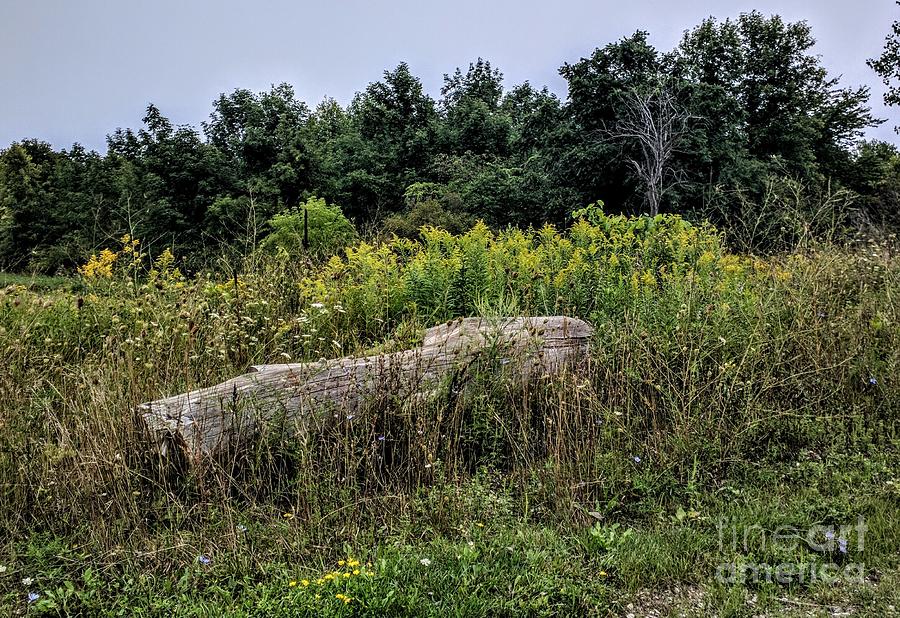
590,270
429,213
429,204
329,230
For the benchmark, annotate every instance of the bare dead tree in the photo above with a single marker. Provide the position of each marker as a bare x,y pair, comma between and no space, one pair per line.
652,120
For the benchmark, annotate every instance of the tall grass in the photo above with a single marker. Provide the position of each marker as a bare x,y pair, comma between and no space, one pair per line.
701,360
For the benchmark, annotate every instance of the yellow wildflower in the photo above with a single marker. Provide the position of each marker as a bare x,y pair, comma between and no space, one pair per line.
100,266
706,258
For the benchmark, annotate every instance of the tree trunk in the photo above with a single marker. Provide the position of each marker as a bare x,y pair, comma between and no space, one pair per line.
203,421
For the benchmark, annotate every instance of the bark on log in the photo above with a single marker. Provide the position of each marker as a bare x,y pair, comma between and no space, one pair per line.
203,421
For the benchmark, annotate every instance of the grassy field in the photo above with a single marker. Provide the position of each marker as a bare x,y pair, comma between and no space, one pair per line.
731,448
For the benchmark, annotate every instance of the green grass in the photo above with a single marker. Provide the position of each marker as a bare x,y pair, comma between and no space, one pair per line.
720,388
501,565
40,282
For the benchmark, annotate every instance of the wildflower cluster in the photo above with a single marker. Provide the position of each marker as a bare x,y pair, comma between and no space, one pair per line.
128,261
100,266
337,583
164,272
592,266
597,270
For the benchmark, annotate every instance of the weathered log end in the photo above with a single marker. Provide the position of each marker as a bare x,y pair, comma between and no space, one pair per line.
203,421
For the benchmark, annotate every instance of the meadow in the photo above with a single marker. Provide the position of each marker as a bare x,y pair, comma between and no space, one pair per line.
727,398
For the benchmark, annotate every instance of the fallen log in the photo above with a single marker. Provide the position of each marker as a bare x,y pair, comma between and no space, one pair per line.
203,421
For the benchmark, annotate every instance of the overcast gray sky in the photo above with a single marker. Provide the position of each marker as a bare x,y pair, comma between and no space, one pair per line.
74,70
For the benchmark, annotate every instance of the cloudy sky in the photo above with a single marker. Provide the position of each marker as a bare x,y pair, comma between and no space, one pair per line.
75,70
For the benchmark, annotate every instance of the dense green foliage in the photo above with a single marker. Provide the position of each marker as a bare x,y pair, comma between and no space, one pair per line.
755,109
315,228
758,390
887,65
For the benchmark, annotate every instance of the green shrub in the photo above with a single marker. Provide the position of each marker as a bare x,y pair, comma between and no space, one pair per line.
429,204
589,270
328,230
428,213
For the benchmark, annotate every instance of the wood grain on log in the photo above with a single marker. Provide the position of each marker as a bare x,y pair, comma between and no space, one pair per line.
202,421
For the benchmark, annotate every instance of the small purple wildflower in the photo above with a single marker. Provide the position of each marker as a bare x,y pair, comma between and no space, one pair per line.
204,559
33,596
350,417
873,380
842,545
829,535
636,459
381,438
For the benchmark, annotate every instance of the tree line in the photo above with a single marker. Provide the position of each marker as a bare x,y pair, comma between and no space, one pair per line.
740,123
